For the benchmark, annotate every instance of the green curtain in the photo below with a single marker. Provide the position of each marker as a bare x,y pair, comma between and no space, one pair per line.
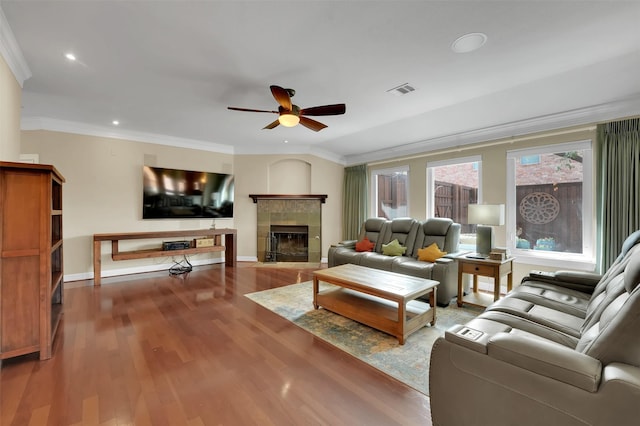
618,192
354,200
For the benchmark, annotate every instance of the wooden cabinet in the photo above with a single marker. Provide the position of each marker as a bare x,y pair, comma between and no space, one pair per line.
31,258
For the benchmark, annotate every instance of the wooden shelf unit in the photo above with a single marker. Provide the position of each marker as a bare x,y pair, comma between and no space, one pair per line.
229,246
148,253
31,258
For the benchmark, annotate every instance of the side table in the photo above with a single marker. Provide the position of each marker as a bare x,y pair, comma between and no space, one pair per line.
487,268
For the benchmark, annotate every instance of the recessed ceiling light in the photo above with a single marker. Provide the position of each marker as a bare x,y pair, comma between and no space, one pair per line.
115,122
70,56
469,42
285,141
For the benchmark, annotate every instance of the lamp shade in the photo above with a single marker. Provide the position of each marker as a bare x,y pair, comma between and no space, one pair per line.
486,214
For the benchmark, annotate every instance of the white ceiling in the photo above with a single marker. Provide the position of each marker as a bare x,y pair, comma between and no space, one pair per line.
168,70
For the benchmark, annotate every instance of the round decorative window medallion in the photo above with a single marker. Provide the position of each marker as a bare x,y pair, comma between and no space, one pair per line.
539,208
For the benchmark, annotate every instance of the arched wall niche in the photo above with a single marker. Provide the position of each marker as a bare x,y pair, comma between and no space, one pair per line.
290,210
290,176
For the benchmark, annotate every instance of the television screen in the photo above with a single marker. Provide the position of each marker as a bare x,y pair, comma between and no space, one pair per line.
175,194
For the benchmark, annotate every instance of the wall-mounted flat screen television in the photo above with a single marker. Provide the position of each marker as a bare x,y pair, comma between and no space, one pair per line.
183,194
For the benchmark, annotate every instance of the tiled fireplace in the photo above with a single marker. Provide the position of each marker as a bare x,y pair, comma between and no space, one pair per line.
289,227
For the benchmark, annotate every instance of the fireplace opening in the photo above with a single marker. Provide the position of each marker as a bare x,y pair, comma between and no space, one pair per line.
288,243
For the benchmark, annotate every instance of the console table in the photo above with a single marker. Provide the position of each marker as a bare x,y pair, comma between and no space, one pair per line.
229,247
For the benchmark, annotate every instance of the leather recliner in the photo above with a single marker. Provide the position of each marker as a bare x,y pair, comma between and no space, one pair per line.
560,349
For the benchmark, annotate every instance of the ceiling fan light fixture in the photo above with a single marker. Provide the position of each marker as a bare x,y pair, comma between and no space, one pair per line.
290,115
289,120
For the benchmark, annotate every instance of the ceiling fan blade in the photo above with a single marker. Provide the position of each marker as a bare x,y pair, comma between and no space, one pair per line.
250,110
335,109
282,96
314,125
271,125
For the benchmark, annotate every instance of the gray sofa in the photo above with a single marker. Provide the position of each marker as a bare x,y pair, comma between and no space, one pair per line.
560,349
413,235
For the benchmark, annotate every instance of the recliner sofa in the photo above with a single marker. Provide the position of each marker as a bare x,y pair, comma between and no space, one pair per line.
561,349
413,235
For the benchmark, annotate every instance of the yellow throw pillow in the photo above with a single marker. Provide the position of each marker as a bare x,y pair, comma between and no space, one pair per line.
431,253
393,249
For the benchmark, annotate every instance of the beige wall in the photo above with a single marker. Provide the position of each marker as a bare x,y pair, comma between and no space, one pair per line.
103,194
10,107
494,170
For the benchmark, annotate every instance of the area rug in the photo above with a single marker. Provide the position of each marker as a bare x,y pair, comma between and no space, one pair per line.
408,363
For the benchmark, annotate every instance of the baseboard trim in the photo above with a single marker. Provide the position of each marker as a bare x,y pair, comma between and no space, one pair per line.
247,258
154,268
136,270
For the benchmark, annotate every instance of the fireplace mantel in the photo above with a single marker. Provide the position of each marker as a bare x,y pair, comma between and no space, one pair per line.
256,197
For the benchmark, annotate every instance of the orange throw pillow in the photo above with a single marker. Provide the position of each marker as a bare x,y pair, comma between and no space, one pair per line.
364,245
431,253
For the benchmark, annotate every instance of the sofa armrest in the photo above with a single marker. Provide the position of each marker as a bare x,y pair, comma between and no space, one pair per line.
547,358
586,278
347,244
619,373
576,280
445,270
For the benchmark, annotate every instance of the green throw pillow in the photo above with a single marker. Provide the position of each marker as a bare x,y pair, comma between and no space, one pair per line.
393,249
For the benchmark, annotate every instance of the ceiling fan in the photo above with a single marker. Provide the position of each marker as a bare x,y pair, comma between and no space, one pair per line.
290,114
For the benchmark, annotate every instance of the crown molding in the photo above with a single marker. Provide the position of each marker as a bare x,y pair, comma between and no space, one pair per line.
291,149
55,125
324,154
44,123
579,117
11,52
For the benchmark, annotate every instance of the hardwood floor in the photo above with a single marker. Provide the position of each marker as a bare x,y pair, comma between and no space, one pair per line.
152,349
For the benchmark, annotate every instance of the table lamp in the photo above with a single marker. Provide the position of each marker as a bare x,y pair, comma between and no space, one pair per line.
485,216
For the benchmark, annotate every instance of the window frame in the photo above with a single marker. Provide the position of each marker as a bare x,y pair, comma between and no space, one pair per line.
580,261
430,208
431,165
374,186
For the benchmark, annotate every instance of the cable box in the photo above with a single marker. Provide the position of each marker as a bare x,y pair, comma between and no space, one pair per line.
176,245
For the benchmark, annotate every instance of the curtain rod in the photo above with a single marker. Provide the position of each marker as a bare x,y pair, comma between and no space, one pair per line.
502,141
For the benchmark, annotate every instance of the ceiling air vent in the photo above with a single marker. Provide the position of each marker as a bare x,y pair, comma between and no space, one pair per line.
403,89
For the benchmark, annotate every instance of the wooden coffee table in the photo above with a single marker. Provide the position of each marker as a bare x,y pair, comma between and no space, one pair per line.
380,299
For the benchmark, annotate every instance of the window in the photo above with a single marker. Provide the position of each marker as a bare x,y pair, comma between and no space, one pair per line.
550,205
529,159
451,186
390,193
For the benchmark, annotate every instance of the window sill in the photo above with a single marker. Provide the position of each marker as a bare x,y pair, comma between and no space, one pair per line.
467,247
554,259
